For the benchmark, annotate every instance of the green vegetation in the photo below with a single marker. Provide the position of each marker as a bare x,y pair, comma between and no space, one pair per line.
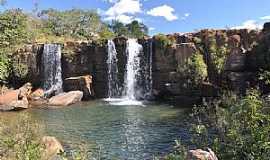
133,29
163,41
235,128
194,70
20,139
218,52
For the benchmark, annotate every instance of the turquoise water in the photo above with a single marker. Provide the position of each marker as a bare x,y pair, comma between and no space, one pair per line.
117,132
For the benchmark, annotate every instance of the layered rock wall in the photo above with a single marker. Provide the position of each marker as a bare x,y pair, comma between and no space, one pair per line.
238,52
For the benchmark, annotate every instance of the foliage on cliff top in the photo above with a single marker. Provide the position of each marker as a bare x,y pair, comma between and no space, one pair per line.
132,30
164,41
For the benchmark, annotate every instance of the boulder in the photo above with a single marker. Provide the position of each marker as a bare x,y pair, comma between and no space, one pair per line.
16,99
65,99
38,93
81,83
199,154
9,96
52,147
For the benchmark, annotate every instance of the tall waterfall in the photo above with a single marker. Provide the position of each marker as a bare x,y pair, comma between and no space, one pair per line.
149,84
52,71
132,69
113,89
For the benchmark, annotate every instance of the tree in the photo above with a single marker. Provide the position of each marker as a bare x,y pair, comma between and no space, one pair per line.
137,30
83,24
133,29
119,28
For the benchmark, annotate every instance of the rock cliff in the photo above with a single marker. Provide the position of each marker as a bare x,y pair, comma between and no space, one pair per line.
232,57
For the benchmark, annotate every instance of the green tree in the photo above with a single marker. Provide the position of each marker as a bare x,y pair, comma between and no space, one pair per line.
119,28
133,29
137,30
83,24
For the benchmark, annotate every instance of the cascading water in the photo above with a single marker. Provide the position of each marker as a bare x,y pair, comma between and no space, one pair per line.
52,71
149,83
113,89
132,68
138,73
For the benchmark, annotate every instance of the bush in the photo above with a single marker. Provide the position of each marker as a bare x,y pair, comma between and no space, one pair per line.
163,41
195,70
4,67
20,139
235,128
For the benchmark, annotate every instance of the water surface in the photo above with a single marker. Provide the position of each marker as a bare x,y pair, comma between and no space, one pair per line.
118,132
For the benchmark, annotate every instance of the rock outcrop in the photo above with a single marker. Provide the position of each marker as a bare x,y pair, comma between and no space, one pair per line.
16,99
81,83
52,147
199,154
65,99
239,54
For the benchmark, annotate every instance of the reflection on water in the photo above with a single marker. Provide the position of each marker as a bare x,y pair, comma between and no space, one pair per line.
121,132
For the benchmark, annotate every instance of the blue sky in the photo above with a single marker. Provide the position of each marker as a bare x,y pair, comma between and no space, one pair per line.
168,16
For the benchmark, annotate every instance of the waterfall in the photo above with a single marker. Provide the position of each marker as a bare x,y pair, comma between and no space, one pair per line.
113,89
52,71
150,71
132,69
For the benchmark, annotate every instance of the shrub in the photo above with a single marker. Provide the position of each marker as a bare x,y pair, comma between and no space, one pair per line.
194,70
163,41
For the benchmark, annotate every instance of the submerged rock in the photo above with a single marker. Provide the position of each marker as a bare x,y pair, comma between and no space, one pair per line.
65,99
199,154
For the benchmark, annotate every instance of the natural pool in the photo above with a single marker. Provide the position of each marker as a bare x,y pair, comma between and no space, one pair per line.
117,132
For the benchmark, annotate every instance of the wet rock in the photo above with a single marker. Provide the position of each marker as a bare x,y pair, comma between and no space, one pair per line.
199,154
81,83
236,63
65,99
38,93
52,147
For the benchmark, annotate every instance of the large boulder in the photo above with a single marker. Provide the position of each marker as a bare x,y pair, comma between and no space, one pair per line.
65,99
9,96
16,99
199,154
52,147
81,83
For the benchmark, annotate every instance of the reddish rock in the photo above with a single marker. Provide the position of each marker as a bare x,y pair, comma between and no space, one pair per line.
9,96
81,83
52,147
199,154
65,99
37,93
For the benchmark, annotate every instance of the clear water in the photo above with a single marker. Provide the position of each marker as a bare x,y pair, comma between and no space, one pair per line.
120,132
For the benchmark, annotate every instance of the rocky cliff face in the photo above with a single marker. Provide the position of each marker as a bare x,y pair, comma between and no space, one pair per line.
232,57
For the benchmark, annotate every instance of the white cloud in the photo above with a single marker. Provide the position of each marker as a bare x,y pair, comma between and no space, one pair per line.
122,18
249,24
163,11
110,1
265,18
124,7
152,28
186,15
